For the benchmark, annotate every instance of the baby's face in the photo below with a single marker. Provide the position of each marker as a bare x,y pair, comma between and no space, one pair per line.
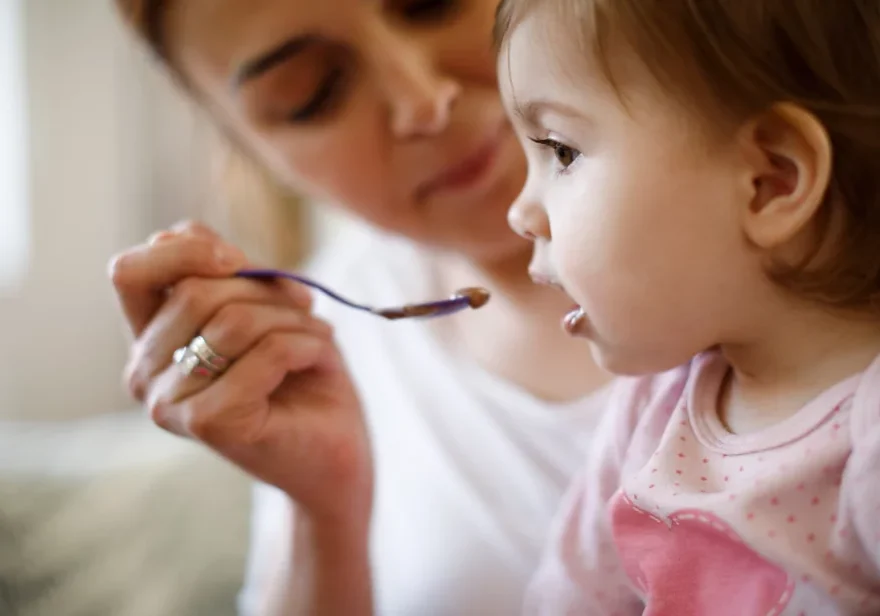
633,208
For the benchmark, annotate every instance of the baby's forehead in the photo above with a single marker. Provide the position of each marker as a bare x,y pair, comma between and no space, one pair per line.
534,66
532,58
543,59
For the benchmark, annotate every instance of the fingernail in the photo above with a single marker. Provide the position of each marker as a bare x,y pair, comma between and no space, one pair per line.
228,256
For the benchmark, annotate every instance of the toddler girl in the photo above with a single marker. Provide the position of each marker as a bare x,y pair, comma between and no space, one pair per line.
704,181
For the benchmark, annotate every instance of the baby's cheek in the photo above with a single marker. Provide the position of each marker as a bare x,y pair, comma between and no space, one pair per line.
637,333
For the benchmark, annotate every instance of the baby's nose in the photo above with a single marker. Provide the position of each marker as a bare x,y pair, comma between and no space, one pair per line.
528,218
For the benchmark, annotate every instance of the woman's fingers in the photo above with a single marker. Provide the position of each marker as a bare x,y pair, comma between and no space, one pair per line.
187,227
236,328
195,228
235,322
285,409
235,309
142,275
234,407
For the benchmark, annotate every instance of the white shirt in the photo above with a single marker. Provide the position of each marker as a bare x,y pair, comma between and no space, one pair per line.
469,468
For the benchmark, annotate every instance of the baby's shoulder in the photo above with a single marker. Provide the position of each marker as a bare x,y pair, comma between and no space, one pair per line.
640,409
865,407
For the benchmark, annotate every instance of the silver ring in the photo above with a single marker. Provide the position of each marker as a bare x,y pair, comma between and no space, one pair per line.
200,359
209,356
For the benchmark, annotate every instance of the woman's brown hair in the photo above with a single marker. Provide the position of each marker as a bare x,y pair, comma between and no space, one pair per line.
147,17
746,56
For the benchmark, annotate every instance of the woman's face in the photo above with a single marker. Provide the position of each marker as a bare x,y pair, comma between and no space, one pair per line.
389,108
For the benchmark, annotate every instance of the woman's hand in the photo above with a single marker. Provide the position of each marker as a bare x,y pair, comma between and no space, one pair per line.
285,410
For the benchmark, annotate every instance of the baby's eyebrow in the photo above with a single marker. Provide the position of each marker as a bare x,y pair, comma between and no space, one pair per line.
530,111
521,112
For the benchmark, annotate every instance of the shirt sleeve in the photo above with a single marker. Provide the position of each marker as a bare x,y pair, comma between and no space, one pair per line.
581,572
858,527
268,564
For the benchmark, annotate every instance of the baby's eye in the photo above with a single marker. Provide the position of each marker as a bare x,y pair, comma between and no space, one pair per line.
563,153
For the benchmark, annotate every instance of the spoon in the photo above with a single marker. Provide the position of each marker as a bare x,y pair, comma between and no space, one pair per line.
470,297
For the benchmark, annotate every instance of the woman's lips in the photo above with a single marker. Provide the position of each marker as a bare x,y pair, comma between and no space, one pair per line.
466,173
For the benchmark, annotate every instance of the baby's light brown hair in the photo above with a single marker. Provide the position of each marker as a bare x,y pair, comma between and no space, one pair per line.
734,59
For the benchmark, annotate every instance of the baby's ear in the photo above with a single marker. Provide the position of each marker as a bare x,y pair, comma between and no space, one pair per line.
790,158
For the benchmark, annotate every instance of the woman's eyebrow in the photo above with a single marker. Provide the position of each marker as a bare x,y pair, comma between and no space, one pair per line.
266,61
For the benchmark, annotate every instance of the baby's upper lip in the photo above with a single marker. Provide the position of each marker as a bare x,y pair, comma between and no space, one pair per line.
539,277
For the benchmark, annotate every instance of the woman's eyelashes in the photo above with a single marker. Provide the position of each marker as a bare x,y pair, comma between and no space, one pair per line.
323,100
426,11
565,156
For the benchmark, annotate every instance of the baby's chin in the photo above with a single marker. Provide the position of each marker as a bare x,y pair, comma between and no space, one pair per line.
636,360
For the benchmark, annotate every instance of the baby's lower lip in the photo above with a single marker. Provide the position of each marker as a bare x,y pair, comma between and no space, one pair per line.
575,322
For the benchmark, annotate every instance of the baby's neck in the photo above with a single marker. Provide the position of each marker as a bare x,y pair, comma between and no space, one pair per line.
803,353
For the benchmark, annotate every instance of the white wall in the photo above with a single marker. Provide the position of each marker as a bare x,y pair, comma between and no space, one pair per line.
112,156
13,144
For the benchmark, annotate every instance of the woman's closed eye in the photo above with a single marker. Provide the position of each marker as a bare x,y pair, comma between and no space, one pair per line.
322,101
329,92
565,155
425,11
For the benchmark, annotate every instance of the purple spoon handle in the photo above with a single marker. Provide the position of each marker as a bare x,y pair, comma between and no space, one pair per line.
465,298
272,274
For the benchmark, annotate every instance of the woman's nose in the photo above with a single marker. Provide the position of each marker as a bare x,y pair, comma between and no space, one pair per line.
528,219
425,109
419,97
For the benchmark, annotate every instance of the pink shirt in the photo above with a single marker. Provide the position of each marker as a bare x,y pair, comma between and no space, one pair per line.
675,516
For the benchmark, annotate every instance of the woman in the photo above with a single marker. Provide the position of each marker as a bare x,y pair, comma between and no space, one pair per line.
426,465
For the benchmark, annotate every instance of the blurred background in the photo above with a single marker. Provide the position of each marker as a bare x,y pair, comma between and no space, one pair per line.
101,513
